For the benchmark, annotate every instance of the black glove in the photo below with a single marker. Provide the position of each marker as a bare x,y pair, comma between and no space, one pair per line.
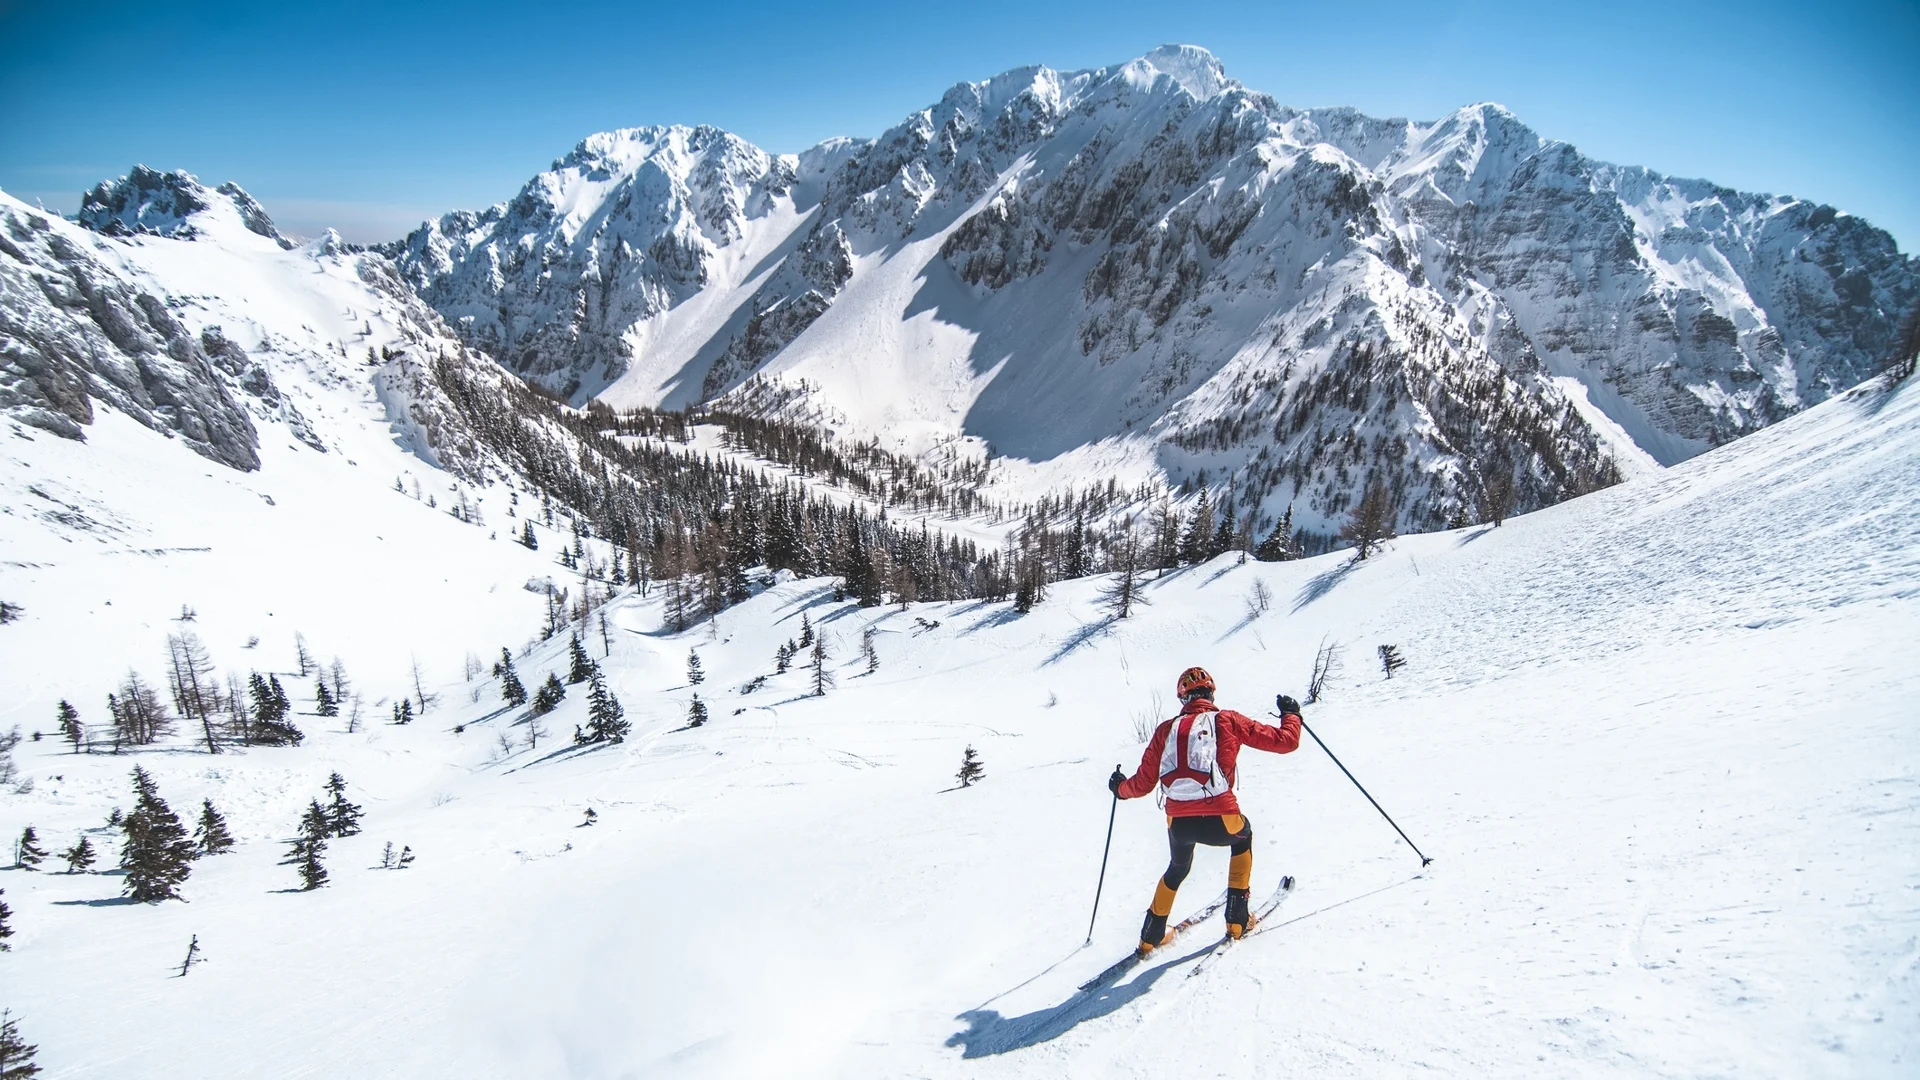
1287,705
1114,781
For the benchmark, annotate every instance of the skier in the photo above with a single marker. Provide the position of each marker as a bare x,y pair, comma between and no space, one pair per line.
1190,760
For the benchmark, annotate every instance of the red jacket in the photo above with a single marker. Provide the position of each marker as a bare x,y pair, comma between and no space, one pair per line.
1232,730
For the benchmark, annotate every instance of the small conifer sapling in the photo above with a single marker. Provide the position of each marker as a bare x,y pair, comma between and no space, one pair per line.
696,712
80,856
211,835
27,853
16,1054
343,817
971,771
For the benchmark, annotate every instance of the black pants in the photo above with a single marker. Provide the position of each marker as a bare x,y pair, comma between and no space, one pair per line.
1185,832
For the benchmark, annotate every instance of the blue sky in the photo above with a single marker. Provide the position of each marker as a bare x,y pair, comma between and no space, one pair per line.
370,117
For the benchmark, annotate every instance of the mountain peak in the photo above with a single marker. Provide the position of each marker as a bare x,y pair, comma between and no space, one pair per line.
174,204
1196,70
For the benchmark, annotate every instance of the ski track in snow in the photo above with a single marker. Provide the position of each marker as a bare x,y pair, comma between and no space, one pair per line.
1659,741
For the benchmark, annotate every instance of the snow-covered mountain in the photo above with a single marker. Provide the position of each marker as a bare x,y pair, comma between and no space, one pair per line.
1150,269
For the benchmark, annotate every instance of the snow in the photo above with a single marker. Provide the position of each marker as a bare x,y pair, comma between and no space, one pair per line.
1658,739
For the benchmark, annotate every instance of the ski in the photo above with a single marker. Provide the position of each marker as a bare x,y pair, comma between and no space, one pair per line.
1127,964
1260,916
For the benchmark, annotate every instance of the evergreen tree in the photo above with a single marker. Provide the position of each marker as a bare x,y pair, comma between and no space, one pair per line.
527,539
343,817
80,856
406,858
511,690
867,650
695,676
1197,545
71,728
551,694
28,854
305,850
806,630
605,716
324,705
970,768
270,707
580,667
403,711
1279,546
6,923
16,1054
157,856
822,678
783,658
696,712
211,835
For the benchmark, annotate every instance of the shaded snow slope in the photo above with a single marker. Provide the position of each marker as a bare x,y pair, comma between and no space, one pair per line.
1659,740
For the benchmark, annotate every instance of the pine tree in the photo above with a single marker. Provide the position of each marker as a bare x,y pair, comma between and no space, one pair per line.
581,667
783,658
696,712
806,630
343,817
1279,546
1197,545
80,856
324,705
527,539
867,650
28,854
270,708
605,716
305,850
6,923
511,690
71,728
551,694
211,835
970,768
695,676
157,855
403,711
822,678
16,1054
406,858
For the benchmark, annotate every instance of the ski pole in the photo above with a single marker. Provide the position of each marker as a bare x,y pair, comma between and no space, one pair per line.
1103,863
1396,828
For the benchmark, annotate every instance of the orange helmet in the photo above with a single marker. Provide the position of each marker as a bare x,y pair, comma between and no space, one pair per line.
1194,680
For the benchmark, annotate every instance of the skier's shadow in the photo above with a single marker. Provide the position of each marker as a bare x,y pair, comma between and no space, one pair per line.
989,1033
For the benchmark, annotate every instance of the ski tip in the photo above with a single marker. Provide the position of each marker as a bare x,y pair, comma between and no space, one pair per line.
1287,883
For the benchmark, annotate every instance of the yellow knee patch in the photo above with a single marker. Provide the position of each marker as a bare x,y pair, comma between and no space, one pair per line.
1240,870
1162,900
1234,823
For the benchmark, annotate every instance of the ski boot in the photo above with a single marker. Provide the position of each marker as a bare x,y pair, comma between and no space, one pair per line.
1239,919
1153,934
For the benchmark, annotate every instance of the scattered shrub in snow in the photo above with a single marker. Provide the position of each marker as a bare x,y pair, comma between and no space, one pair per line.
16,1054
1391,660
305,850
343,817
71,728
606,717
80,856
211,835
971,771
580,666
27,852
869,652
550,695
6,923
1325,662
8,612
511,690
138,715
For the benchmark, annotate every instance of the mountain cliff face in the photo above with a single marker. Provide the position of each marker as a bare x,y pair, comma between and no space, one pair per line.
1154,260
182,307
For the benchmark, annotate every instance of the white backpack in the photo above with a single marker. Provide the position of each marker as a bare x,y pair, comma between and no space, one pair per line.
1190,766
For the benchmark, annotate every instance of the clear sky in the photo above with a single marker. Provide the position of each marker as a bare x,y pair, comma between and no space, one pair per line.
372,116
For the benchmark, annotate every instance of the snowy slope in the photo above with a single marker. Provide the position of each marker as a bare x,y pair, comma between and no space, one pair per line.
1658,739
313,360
1152,271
